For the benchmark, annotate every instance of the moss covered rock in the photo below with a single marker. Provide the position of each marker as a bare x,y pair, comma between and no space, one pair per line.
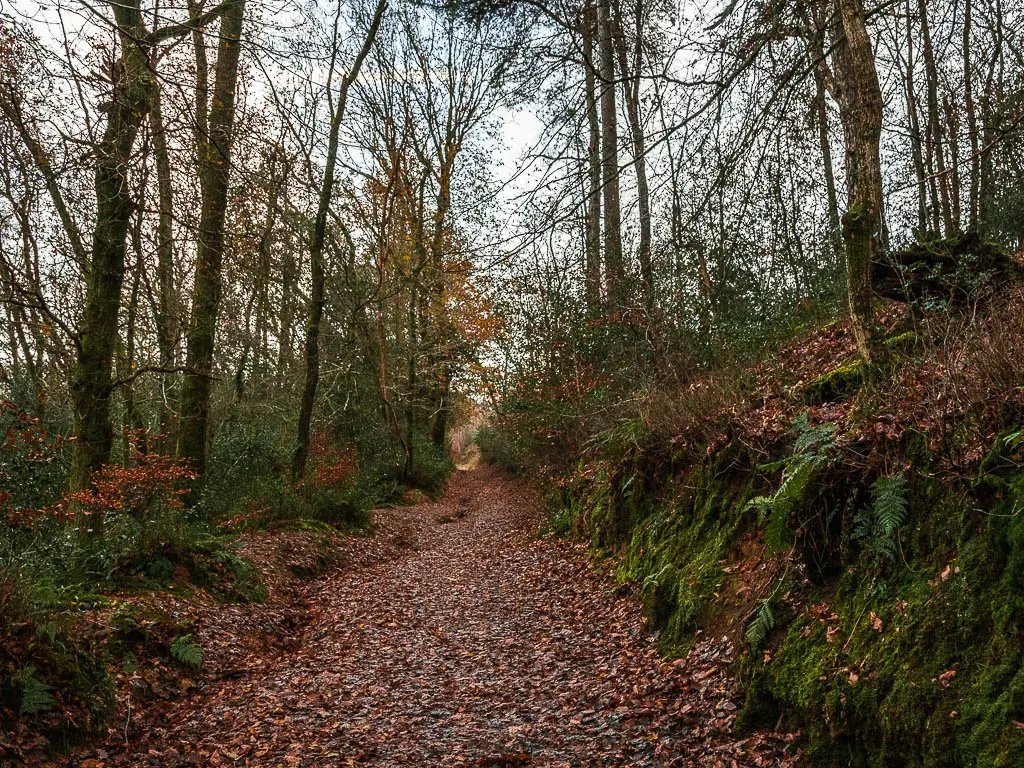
836,384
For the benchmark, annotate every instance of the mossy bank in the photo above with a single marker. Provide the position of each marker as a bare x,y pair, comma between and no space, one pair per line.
879,608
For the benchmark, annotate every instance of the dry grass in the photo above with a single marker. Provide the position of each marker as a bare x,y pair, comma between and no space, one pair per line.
693,410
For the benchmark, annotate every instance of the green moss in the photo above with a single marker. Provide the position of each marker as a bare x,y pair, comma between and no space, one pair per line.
904,343
914,661
672,541
938,679
837,384
675,554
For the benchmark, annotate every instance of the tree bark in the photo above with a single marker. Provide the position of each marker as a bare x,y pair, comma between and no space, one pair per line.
935,132
915,134
289,276
200,127
832,198
215,167
860,101
615,274
631,92
972,122
91,384
990,95
316,256
588,29
412,384
953,131
166,319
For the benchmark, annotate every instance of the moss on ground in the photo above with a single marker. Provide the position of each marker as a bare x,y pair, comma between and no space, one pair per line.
912,660
837,384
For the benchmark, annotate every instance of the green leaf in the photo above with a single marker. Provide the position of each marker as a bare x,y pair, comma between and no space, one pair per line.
36,695
763,623
186,651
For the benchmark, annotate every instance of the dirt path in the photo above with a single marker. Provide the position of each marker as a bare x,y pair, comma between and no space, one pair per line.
455,637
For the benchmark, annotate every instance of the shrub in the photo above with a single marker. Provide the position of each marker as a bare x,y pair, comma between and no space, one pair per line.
151,488
330,491
33,461
432,465
246,480
498,448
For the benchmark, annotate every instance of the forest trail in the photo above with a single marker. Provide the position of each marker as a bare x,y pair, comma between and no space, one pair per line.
455,636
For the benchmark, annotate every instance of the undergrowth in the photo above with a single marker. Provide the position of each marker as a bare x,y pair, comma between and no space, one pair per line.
858,536
66,558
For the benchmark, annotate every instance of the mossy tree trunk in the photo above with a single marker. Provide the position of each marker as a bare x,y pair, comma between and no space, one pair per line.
91,385
860,103
214,168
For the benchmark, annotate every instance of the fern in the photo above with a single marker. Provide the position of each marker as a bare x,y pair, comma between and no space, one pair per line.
186,651
811,452
795,478
811,439
889,502
878,526
760,626
36,695
1014,439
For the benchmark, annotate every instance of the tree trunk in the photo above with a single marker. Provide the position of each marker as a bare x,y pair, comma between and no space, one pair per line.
132,423
915,134
614,269
991,93
439,431
166,319
200,129
631,92
214,171
953,131
935,137
593,201
834,226
316,257
91,383
289,275
412,385
860,101
276,180
972,122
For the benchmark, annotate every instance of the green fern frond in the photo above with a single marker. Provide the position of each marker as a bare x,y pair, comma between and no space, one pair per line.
863,524
810,454
762,624
808,436
878,525
763,504
36,695
889,503
186,651
799,477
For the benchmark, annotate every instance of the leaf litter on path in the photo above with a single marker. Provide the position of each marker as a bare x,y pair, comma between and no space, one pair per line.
455,637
